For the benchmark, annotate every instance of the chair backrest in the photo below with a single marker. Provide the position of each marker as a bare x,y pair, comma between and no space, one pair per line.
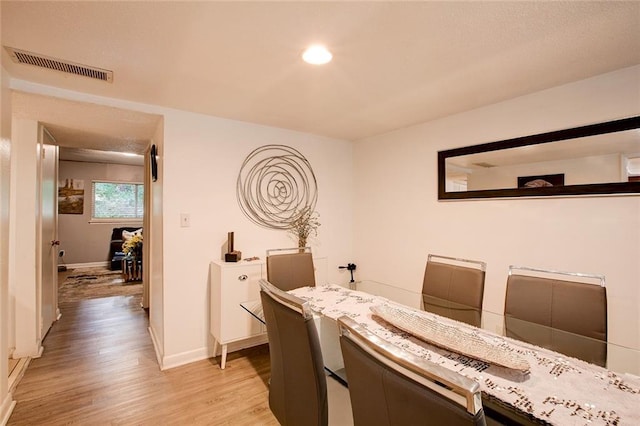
566,309
290,268
454,279
390,386
298,386
460,281
570,304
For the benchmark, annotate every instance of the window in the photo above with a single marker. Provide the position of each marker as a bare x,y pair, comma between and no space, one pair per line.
117,201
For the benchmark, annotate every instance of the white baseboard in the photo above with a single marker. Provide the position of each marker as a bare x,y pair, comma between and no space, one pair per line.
17,373
86,265
35,352
156,346
6,408
183,358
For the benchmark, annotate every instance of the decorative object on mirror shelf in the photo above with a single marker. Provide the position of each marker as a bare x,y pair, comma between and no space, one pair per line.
304,225
231,255
275,185
541,181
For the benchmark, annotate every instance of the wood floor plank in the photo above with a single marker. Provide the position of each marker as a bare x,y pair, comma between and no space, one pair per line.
99,368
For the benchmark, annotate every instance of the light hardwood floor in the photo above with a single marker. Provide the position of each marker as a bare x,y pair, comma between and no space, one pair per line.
99,368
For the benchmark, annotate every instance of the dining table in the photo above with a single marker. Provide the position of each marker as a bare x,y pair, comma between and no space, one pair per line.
528,373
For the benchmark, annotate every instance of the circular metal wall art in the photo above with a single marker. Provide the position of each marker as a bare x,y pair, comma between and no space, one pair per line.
275,184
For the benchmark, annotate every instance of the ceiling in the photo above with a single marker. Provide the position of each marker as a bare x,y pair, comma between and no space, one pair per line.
395,63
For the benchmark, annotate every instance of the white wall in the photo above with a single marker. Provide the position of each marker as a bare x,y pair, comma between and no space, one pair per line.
85,242
399,219
201,159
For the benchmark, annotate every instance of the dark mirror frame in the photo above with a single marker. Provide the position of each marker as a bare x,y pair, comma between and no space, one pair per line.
558,135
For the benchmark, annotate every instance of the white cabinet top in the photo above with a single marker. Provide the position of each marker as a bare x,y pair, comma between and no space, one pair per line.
224,264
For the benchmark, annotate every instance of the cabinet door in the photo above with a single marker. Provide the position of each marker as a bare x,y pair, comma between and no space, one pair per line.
239,284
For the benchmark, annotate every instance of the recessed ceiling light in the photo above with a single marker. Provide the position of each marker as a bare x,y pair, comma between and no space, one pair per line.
317,55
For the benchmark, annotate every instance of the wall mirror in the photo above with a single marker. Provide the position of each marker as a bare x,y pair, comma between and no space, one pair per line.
601,158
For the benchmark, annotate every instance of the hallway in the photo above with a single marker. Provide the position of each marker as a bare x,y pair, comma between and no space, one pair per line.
99,367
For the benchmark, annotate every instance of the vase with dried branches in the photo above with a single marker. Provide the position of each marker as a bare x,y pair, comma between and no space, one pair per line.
304,225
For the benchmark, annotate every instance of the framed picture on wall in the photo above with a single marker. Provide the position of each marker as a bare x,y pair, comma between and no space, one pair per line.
71,196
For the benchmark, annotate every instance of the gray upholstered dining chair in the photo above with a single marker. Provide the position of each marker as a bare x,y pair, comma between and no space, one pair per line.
298,385
290,268
390,386
566,303
454,288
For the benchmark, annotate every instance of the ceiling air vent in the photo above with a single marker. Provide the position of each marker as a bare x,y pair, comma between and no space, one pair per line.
24,57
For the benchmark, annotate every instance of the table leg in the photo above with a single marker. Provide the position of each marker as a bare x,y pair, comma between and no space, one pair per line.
223,357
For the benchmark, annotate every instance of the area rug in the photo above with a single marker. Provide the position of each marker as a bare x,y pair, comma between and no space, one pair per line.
94,283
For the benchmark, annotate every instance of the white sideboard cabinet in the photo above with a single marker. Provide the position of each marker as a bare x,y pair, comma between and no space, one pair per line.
231,284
